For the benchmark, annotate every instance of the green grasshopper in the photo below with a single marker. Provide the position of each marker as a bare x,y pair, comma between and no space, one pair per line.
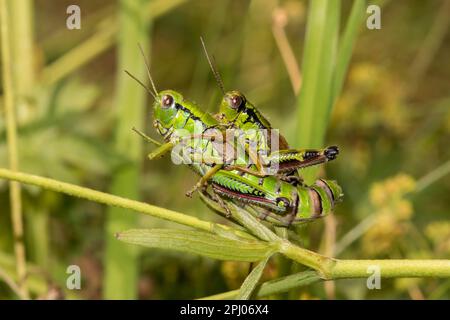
285,161
211,151
283,202
271,198
268,197
237,112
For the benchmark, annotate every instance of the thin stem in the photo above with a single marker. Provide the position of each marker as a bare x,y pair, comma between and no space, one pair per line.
81,54
430,45
346,44
433,176
112,200
354,234
349,269
329,245
98,43
38,280
11,284
279,19
308,258
15,193
327,268
394,268
120,276
271,287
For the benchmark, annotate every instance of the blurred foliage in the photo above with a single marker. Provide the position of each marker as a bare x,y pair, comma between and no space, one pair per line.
392,213
391,122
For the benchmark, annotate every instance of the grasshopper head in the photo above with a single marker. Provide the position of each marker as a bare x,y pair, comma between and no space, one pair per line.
237,109
165,109
232,103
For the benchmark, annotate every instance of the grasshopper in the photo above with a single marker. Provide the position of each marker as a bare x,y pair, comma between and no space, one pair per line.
235,111
210,146
269,197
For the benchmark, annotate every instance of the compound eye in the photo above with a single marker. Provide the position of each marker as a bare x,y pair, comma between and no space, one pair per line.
167,101
236,101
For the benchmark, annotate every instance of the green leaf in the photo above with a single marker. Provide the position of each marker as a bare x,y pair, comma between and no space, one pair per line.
346,44
251,281
318,65
198,242
120,276
244,218
252,223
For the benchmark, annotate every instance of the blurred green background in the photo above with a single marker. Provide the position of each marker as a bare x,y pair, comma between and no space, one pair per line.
76,108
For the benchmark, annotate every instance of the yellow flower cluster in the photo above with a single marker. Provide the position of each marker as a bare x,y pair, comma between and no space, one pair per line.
392,210
439,233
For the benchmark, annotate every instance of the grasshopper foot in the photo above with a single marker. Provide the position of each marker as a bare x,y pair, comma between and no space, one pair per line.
294,180
331,152
198,185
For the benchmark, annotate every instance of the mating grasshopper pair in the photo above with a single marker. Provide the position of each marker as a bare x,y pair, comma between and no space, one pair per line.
278,197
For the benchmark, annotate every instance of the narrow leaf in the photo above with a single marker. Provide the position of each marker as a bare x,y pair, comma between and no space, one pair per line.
120,277
347,43
253,224
198,242
318,66
275,286
251,281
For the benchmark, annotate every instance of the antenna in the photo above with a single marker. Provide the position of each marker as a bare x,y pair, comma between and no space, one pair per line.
213,68
141,83
148,70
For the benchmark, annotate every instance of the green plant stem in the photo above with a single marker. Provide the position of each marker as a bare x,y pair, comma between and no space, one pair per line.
327,268
15,192
11,284
392,268
81,54
271,287
22,48
121,261
433,176
429,47
38,280
112,200
306,257
341,269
